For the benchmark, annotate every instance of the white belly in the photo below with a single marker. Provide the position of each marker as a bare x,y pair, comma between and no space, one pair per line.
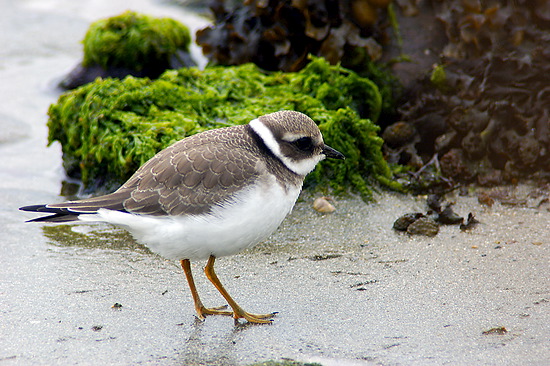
254,215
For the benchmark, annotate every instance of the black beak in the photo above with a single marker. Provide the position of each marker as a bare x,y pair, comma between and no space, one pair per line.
332,153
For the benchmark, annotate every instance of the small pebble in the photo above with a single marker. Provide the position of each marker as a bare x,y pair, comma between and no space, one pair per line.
496,330
323,205
484,199
470,222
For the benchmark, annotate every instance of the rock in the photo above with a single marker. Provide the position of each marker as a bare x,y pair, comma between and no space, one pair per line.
131,44
402,223
423,226
398,134
449,217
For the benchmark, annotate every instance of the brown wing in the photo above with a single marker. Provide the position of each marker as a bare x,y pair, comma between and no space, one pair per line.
192,175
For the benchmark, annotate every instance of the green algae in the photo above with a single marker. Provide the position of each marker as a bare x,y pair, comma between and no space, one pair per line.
98,237
108,128
133,41
285,363
438,78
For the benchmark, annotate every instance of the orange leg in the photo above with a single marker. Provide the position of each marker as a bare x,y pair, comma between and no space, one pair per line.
201,309
238,312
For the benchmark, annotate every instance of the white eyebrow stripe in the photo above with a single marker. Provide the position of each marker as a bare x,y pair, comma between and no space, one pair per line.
291,136
267,137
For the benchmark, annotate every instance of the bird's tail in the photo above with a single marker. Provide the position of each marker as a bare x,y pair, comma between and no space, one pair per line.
69,211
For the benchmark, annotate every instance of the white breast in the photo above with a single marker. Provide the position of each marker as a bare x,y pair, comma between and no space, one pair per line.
250,218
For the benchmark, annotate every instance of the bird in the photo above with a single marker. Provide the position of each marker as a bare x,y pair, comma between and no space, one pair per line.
210,195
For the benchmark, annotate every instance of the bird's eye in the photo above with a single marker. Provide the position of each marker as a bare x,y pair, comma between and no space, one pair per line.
304,144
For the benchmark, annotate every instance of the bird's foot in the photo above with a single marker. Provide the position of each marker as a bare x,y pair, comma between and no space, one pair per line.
202,311
253,318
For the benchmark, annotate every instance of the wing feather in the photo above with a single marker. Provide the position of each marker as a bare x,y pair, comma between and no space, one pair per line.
194,174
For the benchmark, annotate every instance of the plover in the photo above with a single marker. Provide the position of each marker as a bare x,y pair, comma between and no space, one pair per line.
211,195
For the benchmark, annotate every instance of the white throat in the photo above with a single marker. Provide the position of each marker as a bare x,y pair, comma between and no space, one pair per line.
300,167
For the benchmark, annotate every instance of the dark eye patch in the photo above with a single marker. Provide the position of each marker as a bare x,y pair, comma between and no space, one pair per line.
304,144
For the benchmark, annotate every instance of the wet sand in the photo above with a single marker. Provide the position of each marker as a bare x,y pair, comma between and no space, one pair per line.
348,288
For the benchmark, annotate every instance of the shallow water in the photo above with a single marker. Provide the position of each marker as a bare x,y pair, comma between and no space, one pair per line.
349,290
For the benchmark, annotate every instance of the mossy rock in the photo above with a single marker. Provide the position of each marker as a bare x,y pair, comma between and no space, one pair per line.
108,128
131,44
133,41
